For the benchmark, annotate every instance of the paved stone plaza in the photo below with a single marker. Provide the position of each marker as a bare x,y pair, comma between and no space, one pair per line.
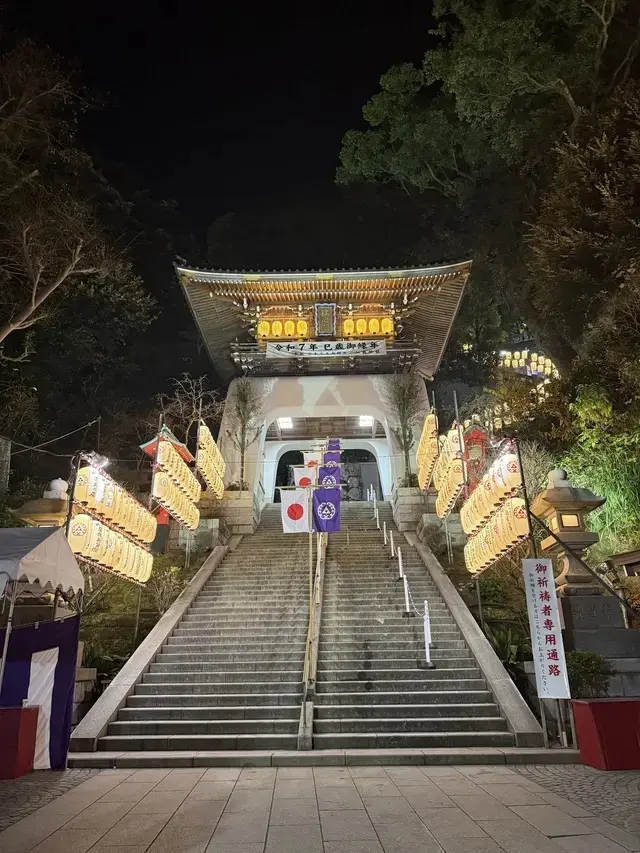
426,809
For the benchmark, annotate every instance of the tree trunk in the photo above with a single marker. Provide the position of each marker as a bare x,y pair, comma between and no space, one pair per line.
5,464
407,467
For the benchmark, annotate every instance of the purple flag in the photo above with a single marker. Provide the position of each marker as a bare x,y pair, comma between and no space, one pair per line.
326,510
329,476
334,444
332,459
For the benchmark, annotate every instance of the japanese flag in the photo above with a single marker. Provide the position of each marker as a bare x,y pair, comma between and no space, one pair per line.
295,510
304,476
312,460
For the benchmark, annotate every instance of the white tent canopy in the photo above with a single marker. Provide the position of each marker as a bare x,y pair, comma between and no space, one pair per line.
39,555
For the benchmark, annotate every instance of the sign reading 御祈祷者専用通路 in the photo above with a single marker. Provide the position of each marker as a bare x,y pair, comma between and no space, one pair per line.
546,634
326,349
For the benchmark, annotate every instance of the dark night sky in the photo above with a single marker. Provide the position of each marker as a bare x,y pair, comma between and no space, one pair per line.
219,107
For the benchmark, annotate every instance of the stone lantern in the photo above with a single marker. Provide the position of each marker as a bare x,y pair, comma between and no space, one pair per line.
563,508
593,620
48,511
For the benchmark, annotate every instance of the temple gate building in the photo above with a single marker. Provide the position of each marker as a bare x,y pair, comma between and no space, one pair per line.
318,344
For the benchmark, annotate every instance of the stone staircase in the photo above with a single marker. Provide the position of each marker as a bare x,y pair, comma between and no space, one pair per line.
373,689
230,675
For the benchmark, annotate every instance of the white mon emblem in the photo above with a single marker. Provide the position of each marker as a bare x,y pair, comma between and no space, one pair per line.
326,510
329,480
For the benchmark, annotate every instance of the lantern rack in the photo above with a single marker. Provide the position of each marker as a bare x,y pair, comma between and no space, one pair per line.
98,567
77,506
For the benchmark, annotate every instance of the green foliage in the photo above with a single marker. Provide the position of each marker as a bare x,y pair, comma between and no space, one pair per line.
511,644
19,493
589,675
606,459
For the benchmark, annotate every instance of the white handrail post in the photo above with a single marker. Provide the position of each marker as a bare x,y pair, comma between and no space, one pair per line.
393,550
400,566
407,609
384,531
375,504
377,518
427,636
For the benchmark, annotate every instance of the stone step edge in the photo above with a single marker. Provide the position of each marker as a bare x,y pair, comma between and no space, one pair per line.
323,758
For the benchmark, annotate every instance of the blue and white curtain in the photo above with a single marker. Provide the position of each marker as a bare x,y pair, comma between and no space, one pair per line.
41,669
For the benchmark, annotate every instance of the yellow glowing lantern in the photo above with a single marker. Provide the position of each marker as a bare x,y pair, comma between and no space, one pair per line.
263,329
302,327
361,326
387,326
80,533
374,326
81,492
289,328
276,329
348,326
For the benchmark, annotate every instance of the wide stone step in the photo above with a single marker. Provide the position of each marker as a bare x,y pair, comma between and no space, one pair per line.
237,636
209,657
411,740
249,676
189,667
385,632
401,674
131,743
246,646
398,711
235,640
410,685
359,697
205,727
413,724
188,687
346,646
210,712
188,700
250,621
364,663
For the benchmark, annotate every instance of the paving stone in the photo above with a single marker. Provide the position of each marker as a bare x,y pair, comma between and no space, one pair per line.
352,847
294,839
128,792
407,776
257,777
487,770
551,821
69,841
221,774
242,827
149,775
333,777
377,788
295,788
458,787
435,773
512,795
224,847
99,816
462,845
338,798
345,825
294,773
165,802
26,833
198,813
388,810
425,796
448,822
590,844
371,772
183,839
565,805
483,807
628,841
518,836
103,848
179,781
411,837
135,829
292,812
246,800
211,790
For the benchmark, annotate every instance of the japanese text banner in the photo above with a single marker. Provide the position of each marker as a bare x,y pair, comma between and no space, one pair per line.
546,634
328,349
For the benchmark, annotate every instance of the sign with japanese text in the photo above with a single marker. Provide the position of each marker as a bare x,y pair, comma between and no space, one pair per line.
327,349
546,633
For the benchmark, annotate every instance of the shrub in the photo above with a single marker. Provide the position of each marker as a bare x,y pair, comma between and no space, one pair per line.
589,675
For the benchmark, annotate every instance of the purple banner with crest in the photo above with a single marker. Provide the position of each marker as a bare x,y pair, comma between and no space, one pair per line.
329,476
334,444
326,510
332,459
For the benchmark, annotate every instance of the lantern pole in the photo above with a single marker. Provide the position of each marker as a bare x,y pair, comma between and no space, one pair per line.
525,496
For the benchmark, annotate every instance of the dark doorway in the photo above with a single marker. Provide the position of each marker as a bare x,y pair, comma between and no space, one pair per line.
284,474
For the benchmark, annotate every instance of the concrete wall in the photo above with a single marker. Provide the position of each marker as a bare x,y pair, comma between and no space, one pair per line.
317,397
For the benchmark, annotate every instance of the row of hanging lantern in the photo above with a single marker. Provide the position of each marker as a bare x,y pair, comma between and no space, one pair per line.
102,496
168,495
170,461
108,549
427,451
506,528
209,461
502,480
448,472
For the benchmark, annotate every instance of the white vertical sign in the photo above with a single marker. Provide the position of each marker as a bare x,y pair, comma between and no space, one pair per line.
546,634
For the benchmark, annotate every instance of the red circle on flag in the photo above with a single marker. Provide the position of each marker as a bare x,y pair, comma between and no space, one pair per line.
312,463
295,512
305,481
